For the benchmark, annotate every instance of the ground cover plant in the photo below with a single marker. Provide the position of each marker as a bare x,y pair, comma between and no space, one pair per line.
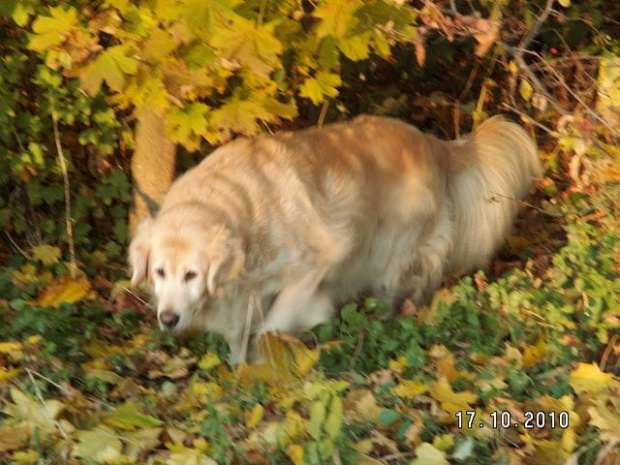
516,364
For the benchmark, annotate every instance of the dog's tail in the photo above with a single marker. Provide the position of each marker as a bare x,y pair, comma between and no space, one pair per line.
491,169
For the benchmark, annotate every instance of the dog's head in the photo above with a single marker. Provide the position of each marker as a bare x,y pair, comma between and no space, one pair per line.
186,263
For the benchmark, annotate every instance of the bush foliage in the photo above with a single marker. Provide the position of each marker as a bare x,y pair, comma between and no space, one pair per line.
85,377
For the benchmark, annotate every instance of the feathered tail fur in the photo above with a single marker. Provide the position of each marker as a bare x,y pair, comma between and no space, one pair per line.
492,169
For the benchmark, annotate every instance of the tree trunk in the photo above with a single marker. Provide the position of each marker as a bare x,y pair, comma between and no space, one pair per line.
152,165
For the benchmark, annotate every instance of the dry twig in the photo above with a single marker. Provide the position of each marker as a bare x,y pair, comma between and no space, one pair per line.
65,175
37,392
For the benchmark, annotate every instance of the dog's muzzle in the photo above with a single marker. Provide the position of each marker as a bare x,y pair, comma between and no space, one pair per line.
168,319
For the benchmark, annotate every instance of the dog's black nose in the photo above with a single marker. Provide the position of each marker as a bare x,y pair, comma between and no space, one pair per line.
169,319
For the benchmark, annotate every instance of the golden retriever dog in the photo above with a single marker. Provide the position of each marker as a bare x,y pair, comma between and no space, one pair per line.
272,232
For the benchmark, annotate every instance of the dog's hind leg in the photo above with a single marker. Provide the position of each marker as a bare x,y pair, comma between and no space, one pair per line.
425,274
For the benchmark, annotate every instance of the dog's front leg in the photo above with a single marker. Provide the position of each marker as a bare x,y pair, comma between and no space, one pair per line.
230,320
236,352
299,306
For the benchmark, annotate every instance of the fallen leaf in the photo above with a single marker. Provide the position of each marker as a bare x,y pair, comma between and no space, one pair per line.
361,404
100,445
451,401
128,417
607,421
208,361
64,290
443,442
14,436
588,377
33,413
8,374
533,354
7,347
408,389
141,441
486,34
426,454
412,435
253,417
279,433
206,392
287,359
296,453
398,365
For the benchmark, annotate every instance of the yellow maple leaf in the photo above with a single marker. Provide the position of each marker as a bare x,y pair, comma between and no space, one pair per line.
398,365
253,417
27,274
288,356
451,401
6,347
208,361
206,392
409,389
64,290
8,374
608,422
533,354
446,365
296,453
588,377
443,442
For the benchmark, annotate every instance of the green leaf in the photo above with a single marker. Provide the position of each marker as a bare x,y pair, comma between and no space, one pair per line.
111,66
46,254
333,424
52,30
322,85
18,10
157,45
241,115
129,417
249,44
318,412
357,47
337,17
204,17
185,125
7,7
388,416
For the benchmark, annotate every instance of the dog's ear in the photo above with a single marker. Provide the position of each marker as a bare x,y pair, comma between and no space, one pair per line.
226,262
139,252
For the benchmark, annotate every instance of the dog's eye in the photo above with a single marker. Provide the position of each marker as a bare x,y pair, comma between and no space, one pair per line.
160,272
190,275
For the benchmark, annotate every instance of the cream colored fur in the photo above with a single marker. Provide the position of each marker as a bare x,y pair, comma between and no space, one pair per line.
299,222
